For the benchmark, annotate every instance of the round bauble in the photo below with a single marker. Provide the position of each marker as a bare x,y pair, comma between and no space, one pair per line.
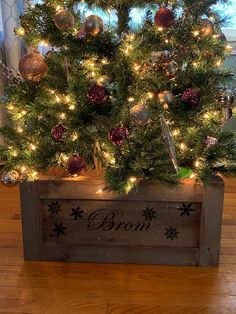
98,94
118,135
226,98
32,67
64,20
93,25
81,34
207,27
57,132
166,97
164,18
140,114
10,178
76,165
171,69
211,141
191,96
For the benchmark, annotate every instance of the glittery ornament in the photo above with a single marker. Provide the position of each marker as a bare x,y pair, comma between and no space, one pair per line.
139,114
164,17
76,165
207,27
64,20
166,97
157,56
169,143
32,66
118,135
191,96
226,98
171,69
93,25
211,141
10,178
98,94
81,34
57,132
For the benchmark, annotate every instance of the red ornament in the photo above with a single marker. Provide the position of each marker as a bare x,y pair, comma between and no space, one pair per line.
118,135
191,96
164,17
98,94
57,132
81,34
76,165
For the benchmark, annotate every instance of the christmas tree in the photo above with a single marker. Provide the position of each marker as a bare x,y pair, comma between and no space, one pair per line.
142,103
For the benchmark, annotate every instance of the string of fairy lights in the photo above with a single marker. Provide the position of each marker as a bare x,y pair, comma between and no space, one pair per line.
93,67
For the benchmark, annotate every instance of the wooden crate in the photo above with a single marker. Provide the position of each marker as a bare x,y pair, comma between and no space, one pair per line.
68,220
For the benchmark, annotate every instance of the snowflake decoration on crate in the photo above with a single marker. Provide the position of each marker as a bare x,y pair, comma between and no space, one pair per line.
59,229
149,213
54,207
77,213
171,233
186,209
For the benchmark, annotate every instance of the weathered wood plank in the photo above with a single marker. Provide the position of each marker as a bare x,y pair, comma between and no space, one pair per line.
125,254
31,220
164,212
136,233
87,189
211,220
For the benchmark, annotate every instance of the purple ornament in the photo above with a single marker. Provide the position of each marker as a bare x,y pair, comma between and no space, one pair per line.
191,96
211,141
76,165
98,94
118,135
57,132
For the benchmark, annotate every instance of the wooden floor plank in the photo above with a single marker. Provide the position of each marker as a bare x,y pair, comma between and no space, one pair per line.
169,309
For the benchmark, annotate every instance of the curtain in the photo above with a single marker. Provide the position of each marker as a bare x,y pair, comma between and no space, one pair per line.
10,45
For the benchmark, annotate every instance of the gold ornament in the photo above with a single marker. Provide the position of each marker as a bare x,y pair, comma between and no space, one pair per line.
93,25
32,66
64,20
10,178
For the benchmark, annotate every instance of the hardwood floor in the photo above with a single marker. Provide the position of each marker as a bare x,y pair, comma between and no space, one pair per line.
48,288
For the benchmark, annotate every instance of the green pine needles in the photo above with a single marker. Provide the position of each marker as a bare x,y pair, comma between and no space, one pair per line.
101,92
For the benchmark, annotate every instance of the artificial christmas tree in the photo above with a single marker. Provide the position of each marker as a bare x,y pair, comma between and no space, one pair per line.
140,104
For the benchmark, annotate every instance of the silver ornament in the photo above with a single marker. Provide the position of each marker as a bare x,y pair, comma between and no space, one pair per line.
169,143
226,97
10,178
211,141
207,27
166,97
171,69
139,114
157,55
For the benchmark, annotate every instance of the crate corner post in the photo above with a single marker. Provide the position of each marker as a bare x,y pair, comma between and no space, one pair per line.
211,223
31,221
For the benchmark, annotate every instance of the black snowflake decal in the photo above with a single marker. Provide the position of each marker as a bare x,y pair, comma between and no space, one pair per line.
59,229
149,213
77,213
186,209
171,233
54,207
